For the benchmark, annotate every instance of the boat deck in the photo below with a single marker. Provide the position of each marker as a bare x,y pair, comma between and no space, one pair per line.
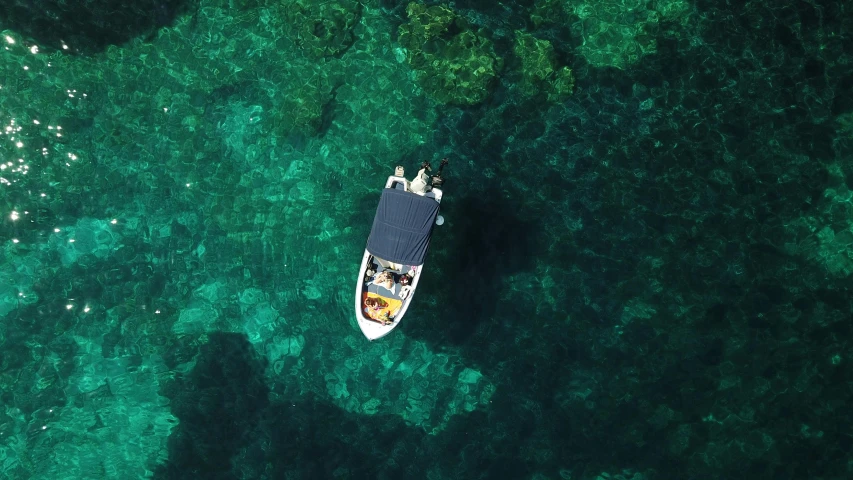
384,292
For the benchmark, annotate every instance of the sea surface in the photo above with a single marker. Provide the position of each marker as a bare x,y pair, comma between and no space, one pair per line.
644,270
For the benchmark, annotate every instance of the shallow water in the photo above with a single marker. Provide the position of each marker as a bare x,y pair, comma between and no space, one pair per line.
647,278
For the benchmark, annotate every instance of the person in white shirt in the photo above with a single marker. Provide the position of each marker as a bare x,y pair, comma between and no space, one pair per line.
386,280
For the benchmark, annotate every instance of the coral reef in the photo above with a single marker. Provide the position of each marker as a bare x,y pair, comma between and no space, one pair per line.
454,64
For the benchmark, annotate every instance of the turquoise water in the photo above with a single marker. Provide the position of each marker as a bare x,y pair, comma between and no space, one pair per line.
644,271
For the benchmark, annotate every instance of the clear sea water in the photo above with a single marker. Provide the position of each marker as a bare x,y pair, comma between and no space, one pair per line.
647,276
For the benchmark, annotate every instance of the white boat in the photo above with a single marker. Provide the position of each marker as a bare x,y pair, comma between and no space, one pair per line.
396,249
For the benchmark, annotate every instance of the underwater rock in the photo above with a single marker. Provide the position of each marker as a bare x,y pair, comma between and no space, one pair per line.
844,125
454,64
540,74
301,110
615,33
88,237
323,29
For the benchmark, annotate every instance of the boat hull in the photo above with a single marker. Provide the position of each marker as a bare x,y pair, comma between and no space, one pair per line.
370,328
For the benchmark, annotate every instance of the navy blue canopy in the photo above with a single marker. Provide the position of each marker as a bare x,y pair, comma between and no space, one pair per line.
402,227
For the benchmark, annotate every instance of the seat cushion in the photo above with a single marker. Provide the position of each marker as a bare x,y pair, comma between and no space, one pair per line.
393,304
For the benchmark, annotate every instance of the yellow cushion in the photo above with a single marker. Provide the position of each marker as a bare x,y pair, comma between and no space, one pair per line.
392,308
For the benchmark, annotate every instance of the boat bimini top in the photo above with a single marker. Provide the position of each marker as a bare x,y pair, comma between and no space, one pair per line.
402,227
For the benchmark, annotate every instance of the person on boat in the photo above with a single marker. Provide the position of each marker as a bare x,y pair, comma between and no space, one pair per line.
405,286
377,309
386,280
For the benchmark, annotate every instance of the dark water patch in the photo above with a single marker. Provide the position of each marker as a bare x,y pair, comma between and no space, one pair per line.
489,244
219,402
88,27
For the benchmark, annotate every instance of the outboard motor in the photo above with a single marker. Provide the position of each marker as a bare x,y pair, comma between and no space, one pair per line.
437,179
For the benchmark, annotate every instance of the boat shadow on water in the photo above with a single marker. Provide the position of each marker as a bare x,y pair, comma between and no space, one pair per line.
486,241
